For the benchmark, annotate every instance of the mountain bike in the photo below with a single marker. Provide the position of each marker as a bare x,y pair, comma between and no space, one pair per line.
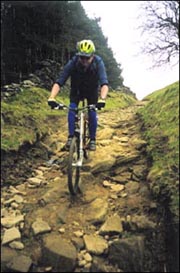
78,150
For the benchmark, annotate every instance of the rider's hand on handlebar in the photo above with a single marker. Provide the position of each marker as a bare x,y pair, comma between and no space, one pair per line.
100,104
52,103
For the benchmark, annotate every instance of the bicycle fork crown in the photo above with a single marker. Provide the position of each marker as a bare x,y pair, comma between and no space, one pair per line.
79,162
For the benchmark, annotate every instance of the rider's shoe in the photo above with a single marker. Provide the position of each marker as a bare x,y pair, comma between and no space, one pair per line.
92,145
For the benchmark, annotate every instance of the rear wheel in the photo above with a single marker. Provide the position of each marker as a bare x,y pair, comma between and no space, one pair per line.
73,168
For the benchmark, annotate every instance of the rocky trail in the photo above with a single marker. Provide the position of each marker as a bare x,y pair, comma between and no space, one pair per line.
112,226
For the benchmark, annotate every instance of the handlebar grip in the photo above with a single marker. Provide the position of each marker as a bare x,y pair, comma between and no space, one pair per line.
55,105
100,104
52,104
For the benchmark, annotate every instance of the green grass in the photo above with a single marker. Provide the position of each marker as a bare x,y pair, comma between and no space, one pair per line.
161,122
118,100
25,118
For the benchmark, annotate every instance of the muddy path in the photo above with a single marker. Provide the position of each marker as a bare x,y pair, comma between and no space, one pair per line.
114,225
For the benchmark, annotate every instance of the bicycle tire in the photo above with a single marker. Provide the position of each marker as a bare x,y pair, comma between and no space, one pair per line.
73,171
86,138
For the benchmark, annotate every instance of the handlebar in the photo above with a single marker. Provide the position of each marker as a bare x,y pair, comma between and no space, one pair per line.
60,106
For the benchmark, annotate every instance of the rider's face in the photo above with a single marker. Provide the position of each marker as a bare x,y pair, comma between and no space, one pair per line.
86,61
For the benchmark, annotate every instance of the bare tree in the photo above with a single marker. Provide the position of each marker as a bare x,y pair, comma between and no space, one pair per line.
160,27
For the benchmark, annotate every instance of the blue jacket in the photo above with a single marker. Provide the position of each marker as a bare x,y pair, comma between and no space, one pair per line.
92,78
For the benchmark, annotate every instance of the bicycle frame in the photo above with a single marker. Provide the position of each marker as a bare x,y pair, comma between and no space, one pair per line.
77,151
79,132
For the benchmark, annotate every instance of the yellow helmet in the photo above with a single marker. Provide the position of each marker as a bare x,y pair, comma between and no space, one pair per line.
85,48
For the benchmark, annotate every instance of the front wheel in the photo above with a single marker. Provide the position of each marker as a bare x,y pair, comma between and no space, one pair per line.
73,170
86,138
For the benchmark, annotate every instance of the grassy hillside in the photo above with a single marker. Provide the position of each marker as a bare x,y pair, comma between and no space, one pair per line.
161,124
119,100
27,116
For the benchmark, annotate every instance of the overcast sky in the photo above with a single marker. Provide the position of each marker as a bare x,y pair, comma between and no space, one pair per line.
118,23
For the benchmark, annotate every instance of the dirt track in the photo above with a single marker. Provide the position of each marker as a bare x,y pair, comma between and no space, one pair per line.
115,208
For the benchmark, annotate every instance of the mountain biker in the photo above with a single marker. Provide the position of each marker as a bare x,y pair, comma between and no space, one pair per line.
88,75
